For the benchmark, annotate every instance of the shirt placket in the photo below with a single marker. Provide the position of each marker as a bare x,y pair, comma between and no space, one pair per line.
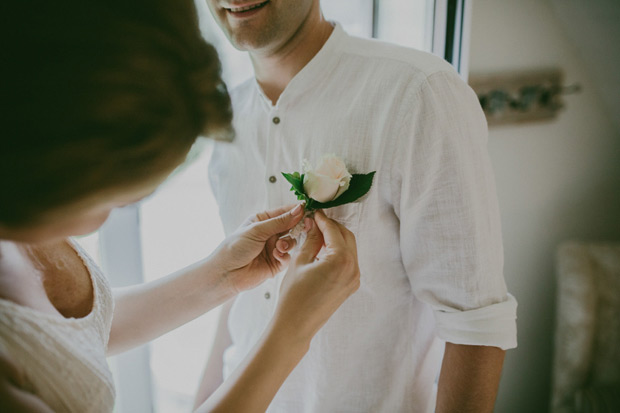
272,176
273,179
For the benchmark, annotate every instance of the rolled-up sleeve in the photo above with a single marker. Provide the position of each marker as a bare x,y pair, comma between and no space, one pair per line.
450,232
493,325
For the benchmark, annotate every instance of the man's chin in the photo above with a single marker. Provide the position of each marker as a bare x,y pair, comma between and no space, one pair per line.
247,44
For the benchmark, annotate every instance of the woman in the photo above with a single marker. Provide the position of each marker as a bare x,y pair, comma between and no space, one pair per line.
102,100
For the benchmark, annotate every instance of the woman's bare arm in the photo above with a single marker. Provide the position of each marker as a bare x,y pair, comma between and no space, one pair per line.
145,312
213,375
246,258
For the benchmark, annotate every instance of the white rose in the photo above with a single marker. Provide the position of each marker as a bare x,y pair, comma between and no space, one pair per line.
328,181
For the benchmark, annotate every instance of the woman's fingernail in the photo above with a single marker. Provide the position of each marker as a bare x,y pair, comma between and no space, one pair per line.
296,211
285,245
307,224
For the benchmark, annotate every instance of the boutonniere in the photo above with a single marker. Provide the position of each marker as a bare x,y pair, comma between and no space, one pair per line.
328,185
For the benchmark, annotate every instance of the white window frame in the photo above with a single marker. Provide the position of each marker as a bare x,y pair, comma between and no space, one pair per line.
120,247
120,242
455,26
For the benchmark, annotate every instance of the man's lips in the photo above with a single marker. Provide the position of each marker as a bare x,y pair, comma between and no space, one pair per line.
247,7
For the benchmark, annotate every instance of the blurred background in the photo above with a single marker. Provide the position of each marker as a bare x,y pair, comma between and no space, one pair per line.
558,179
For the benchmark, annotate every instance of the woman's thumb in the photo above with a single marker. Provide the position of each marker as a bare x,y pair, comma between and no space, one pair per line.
282,223
313,244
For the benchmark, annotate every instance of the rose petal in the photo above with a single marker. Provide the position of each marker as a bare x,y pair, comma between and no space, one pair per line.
332,166
344,185
328,181
320,187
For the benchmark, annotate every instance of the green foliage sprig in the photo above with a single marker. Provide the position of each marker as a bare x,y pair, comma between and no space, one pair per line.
358,187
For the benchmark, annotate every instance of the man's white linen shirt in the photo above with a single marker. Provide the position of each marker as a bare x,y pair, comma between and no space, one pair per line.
428,232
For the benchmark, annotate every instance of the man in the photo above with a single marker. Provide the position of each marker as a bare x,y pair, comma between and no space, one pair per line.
428,232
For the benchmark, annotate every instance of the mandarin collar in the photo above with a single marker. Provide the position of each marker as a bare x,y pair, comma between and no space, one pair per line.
312,73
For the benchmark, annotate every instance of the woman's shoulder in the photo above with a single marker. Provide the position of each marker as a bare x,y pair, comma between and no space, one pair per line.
20,283
57,279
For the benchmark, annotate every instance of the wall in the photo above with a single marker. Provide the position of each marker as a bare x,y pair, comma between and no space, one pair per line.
598,44
557,180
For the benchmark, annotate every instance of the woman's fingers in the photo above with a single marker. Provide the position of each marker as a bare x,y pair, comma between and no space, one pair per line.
326,232
282,257
262,230
272,213
330,229
285,244
312,245
341,248
349,238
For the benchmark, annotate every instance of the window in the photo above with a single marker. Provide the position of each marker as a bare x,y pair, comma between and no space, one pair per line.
179,224
407,23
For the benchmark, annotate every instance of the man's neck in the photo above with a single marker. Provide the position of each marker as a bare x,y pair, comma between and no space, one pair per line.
275,70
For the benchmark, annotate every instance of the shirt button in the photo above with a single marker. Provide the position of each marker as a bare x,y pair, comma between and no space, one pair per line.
276,120
267,296
272,179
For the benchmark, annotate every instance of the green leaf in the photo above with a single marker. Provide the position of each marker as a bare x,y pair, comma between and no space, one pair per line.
297,181
358,187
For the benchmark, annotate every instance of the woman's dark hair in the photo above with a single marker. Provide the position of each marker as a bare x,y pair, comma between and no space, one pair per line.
98,95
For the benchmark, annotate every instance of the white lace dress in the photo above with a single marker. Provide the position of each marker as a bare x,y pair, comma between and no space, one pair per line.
63,359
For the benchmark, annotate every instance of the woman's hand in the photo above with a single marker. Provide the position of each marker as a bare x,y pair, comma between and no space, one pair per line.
12,397
251,255
316,285
313,288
